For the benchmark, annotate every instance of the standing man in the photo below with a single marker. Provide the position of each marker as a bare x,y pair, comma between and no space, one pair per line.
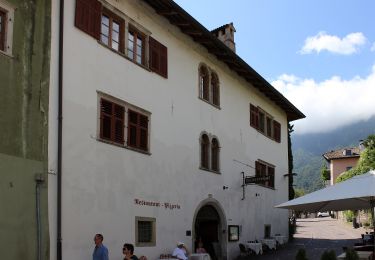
100,251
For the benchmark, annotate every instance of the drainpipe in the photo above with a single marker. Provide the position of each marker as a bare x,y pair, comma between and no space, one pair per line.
39,179
59,133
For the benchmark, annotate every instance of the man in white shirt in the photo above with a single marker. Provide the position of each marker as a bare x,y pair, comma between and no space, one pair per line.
181,252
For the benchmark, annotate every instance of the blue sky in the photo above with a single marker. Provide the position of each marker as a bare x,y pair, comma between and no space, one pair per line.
319,54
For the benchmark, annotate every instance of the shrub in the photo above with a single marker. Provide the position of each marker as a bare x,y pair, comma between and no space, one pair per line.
328,255
301,254
351,254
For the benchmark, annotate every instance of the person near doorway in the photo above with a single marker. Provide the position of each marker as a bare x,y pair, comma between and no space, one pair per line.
200,249
100,250
181,252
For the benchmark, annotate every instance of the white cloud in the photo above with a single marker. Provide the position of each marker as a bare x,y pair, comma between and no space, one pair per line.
331,103
373,47
324,42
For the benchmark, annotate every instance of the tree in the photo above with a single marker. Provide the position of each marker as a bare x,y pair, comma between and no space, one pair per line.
299,192
366,160
324,173
290,163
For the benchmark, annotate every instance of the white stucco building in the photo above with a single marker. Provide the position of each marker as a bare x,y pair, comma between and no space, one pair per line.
158,120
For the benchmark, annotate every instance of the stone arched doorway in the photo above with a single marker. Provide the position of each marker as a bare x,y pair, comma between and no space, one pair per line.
210,226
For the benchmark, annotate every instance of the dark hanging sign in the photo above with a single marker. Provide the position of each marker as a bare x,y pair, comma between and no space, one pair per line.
257,179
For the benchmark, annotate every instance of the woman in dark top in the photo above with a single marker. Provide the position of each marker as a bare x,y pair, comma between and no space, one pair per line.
128,251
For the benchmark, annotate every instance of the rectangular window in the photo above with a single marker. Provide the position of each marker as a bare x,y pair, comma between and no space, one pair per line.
111,121
276,131
269,127
136,46
6,27
264,123
3,18
267,171
145,234
112,31
109,28
112,124
137,130
261,121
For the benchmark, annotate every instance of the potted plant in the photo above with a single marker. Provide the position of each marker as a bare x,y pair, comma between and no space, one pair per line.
351,254
301,254
328,255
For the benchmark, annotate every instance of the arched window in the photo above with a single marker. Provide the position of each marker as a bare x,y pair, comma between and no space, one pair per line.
205,143
204,83
215,155
215,89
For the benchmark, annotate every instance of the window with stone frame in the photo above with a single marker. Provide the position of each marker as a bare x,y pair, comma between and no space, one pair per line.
215,155
205,144
111,27
145,232
204,82
264,123
6,27
266,170
112,31
209,87
115,116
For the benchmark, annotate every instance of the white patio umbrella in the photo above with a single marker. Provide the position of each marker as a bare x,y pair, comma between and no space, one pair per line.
353,194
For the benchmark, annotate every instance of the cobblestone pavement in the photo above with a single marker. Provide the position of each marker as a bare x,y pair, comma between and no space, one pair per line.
315,235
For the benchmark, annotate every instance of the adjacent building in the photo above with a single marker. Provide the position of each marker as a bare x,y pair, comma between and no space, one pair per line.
341,160
24,84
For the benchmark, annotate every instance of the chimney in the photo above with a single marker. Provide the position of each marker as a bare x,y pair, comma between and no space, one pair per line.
225,34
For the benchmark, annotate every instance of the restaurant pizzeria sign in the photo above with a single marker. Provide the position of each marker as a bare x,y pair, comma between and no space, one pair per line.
257,179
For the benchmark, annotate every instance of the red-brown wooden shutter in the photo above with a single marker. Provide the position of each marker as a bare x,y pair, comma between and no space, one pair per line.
254,116
257,169
276,131
118,134
88,17
105,119
158,57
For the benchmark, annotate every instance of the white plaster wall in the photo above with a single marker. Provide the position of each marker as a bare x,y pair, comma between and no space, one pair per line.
101,181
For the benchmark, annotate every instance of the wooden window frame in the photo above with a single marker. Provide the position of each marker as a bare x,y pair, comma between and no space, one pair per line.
215,89
115,135
264,123
265,169
121,23
142,127
7,22
205,149
204,83
152,243
215,155
139,129
136,33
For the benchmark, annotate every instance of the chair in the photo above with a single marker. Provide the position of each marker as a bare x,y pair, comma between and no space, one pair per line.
243,250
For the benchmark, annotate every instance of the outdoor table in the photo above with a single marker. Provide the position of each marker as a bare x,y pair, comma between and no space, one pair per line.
270,242
199,257
280,239
255,246
363,255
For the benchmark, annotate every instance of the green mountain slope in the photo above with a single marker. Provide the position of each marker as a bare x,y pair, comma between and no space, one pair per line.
308,150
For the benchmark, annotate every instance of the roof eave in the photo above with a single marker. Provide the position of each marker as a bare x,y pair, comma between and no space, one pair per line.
191,27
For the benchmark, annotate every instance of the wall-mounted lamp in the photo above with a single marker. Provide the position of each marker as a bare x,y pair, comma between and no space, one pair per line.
225,187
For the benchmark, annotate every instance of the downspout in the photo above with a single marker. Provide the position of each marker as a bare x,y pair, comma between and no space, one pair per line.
39,179
59,133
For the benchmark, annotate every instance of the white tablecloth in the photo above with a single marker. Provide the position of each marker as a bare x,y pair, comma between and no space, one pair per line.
270,242
281,239
256,247
199,257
